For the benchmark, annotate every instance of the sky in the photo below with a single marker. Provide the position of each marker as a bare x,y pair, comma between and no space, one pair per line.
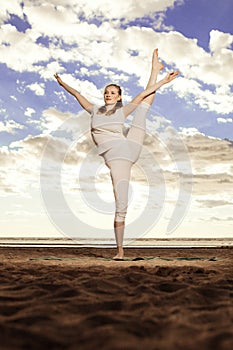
52,181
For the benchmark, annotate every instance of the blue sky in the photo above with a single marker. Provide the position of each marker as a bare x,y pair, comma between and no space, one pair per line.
91,43
194,20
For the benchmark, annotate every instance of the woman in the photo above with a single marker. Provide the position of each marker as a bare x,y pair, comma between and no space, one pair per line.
118,151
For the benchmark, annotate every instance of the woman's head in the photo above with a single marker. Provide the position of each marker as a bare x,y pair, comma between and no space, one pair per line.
112,94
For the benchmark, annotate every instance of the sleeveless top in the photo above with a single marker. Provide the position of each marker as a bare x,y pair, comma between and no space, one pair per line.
106,130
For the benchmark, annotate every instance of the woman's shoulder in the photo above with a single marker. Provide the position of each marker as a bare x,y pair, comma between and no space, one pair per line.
95,109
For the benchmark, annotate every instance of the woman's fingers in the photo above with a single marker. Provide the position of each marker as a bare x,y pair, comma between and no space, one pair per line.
172,75
58,79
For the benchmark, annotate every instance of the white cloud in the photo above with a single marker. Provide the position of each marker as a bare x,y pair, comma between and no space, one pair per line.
29,112
52,119
85,87
211,161
10,126
19,50
47,72
46,18
20,164
222,168
2,111
219,41
39,89
205,77
10,7
129,9
224,120
207,99
74,127
190,131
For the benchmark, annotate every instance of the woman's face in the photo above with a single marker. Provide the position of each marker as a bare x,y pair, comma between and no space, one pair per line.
111,95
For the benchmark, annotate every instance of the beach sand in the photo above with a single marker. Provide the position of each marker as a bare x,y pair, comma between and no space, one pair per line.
76,298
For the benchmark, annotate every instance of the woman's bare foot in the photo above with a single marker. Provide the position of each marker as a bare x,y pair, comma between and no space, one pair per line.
120,254
156,64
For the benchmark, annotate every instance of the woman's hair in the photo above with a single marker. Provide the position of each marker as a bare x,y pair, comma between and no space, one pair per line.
119,104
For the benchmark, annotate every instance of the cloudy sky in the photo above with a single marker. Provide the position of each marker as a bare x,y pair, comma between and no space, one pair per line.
50,172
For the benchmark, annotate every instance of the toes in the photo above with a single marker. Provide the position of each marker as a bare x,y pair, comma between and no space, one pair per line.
156,53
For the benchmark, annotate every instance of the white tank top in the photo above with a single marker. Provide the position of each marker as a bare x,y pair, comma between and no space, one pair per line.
106,130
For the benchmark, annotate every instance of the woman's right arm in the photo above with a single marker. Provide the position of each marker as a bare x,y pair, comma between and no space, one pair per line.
129,108
84,103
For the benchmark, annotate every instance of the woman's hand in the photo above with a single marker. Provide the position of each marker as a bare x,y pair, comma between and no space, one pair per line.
84,103
58,79
170,76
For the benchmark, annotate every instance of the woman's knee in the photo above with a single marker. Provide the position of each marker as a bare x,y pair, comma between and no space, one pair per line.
120,217
118,223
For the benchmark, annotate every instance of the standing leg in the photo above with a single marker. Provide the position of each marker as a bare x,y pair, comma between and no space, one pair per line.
120,170
119,229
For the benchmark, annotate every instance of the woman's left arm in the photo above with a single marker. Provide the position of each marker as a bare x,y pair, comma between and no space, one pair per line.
129,108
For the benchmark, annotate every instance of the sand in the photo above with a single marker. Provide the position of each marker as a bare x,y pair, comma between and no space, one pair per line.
75,298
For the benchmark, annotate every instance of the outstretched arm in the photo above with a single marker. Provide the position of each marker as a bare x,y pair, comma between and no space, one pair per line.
150,90
84,103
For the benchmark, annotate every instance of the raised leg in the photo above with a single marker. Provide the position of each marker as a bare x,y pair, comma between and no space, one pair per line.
156,67
137,129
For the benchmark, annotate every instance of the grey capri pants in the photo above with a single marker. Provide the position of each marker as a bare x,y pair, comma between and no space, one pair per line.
122,156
